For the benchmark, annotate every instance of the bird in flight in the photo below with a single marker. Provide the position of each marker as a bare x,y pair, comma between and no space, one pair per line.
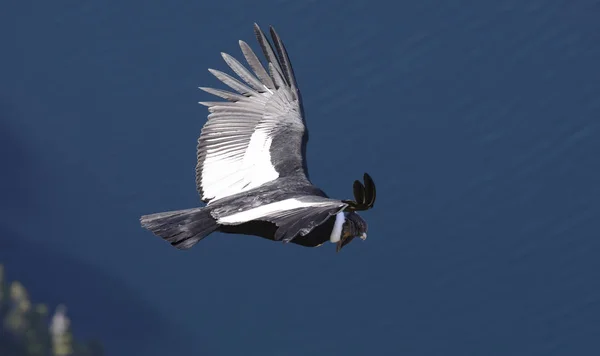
251,170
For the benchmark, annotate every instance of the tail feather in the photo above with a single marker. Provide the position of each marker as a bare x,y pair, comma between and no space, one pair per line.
182,228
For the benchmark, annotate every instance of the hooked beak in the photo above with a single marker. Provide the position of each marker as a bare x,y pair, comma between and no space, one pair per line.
344,242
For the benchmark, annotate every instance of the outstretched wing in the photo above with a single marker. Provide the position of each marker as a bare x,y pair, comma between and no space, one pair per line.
258,134
293,217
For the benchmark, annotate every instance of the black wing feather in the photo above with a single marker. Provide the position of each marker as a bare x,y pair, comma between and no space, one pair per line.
284,59
370,192
267,49
359,192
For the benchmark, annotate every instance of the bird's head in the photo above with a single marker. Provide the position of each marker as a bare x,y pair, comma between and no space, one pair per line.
354,226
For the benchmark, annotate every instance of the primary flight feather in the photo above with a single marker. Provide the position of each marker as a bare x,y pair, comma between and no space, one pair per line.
251,169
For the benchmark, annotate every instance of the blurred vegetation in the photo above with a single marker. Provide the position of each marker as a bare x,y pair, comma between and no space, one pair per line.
28,329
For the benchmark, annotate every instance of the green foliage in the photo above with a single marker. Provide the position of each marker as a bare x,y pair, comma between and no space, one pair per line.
29,330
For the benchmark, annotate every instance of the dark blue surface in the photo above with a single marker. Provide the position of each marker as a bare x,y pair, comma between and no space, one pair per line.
478,120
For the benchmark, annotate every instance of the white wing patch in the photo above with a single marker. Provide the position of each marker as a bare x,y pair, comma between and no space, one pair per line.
233,162
268,210
257,159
